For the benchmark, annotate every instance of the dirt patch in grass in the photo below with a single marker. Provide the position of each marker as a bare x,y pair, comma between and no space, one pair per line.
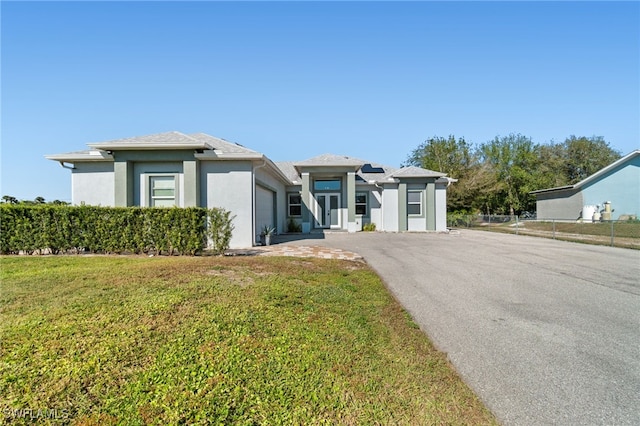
134,340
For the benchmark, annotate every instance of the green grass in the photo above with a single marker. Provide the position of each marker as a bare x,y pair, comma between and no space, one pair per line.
626,233
167,340
621,229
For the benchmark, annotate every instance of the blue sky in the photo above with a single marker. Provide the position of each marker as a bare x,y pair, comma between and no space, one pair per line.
297,79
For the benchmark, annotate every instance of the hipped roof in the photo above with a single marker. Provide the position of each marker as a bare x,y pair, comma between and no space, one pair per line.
210,147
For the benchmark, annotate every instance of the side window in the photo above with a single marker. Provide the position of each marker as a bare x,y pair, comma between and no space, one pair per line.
414,202
295,204
162,191
361,203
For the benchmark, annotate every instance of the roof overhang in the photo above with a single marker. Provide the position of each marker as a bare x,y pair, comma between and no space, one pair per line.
276,170
446,179
327,168
399,175
216,155
557,189
147,146
81,156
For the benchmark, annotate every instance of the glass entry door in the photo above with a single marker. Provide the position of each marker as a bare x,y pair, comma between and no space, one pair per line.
328,211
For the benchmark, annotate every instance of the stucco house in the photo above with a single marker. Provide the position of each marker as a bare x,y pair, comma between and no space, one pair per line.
325,192
618,184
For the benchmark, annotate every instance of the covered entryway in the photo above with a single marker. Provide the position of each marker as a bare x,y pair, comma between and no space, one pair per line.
265,208
327,212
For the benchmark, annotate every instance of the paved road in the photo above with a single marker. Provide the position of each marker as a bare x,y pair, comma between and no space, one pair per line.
546,332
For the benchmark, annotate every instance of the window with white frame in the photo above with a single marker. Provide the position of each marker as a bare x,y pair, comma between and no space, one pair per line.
162,191
361,203
414,203
295,204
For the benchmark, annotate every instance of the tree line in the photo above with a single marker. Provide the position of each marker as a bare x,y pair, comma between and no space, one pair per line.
9,199
496,177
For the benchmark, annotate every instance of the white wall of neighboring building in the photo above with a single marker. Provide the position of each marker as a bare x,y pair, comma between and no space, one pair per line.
93,184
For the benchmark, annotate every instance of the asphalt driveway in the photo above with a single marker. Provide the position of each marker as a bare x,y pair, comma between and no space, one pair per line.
544,331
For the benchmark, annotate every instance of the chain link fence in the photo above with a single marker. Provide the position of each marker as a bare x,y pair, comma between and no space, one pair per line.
619,233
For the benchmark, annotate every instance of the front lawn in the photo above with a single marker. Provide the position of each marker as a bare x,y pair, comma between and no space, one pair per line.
200,340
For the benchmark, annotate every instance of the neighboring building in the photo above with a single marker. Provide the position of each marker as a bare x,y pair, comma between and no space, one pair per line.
618,183
324,192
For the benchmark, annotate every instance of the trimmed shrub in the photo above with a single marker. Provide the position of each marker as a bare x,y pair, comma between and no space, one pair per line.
369,227
58,229
219,229
293,225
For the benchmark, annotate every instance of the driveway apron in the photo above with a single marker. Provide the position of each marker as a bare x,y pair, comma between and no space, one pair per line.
545,332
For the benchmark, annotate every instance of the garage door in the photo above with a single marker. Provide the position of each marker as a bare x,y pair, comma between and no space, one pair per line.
264,208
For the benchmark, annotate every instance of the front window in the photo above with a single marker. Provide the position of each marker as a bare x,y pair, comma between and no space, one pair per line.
162,191
295,205
361,203
414,202
327,185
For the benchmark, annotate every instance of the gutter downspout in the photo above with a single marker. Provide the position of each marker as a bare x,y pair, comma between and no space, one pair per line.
66,167
253,196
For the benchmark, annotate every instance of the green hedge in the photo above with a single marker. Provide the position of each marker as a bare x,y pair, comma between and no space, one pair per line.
61,229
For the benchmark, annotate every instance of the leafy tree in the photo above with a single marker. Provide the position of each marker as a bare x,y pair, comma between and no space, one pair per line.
513,159
497,176
447,155
585,156
551,171
39,200
456,158
8,199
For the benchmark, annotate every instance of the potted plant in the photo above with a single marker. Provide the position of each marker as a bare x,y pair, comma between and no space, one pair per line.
265,235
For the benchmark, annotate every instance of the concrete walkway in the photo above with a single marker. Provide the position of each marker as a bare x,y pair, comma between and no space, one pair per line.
546,332
288,248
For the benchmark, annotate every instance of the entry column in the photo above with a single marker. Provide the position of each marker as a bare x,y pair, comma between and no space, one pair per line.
351,202
306,203
123,183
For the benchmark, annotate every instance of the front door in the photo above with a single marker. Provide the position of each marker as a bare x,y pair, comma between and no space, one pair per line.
328,211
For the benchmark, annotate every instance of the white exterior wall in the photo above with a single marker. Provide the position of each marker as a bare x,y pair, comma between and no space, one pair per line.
416,223
375,208
229,185
441,207
93,184
390,208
